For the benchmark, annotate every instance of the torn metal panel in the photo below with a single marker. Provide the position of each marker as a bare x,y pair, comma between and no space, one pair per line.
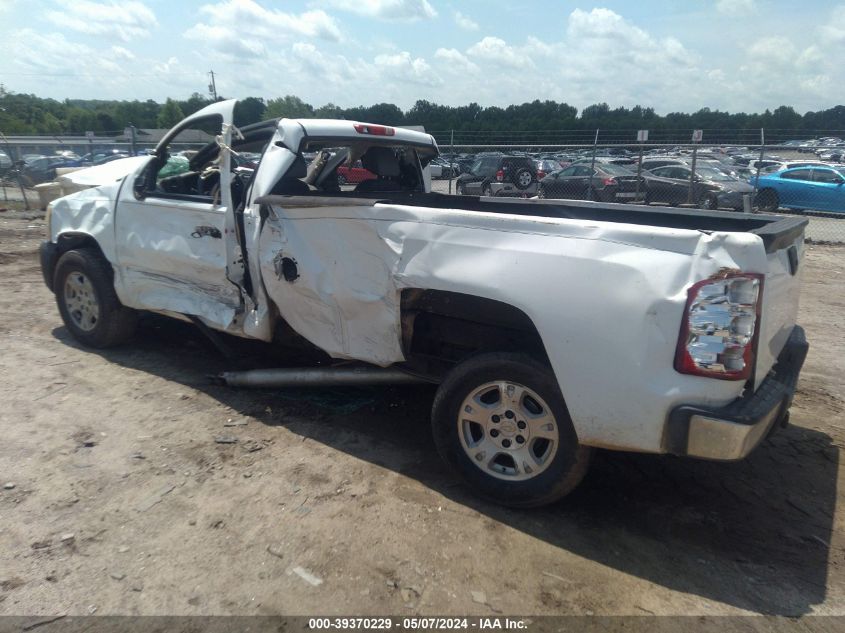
610,295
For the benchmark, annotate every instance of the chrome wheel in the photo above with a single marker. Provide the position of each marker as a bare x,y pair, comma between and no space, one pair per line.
81,301
508,431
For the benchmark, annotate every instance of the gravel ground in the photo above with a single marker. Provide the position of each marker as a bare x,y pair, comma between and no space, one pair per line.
135,485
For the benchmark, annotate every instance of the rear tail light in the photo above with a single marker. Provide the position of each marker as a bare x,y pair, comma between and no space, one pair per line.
540,174
719,332
374,130
500,175
609,182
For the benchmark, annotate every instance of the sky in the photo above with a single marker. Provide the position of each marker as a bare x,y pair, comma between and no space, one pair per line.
672,55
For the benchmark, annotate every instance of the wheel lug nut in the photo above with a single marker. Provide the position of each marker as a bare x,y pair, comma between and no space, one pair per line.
509,414
495,419
506,443
521,424
520,439
494,433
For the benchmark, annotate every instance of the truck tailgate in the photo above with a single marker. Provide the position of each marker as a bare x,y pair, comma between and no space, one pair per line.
784,243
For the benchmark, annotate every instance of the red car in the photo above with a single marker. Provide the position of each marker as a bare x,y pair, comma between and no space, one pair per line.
353,175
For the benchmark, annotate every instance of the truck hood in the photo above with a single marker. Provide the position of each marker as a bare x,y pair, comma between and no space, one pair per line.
103,174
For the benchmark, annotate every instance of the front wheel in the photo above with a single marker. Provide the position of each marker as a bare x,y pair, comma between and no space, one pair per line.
500,422
708,202
87,302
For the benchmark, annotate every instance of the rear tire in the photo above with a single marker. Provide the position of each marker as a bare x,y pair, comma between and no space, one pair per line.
501,424
88,304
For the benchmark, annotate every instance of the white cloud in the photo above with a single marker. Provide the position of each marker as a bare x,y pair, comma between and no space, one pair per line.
172,64
494,49
403,67
243,28
833,29
400,10
776,50
122,53
735,7
123,20
465,22
455,61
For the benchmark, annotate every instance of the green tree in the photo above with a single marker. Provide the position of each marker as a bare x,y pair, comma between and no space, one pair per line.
170,114
249,110
290,107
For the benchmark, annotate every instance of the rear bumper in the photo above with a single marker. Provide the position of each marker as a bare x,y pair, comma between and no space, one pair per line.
732,432
48,253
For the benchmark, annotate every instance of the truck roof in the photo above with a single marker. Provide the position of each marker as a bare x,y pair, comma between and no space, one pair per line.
356,130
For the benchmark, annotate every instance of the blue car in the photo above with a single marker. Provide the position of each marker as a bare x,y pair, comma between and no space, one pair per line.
814,188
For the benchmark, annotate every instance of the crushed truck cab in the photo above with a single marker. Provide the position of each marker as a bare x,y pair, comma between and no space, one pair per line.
551,326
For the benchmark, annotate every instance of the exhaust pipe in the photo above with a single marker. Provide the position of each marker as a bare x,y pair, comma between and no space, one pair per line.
318,377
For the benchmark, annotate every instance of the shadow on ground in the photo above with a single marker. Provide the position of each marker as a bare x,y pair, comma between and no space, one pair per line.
753,534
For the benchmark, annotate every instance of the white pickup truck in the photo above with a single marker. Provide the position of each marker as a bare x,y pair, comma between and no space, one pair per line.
552,327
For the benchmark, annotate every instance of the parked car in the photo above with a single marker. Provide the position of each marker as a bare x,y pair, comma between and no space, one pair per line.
712,188
100,157
441,168
499,175
549,328
545,167
811,188
650,163
5,162
789,164
606,182
43,169
353,175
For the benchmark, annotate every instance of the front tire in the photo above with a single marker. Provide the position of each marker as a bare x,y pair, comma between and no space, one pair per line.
500,422
88,304
708,202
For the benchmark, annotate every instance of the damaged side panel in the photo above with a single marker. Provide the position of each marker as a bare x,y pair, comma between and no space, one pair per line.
606,298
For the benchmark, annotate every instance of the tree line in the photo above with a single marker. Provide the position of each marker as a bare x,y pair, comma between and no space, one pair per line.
29,114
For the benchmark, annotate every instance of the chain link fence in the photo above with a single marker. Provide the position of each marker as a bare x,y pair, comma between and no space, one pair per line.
770,171
741,174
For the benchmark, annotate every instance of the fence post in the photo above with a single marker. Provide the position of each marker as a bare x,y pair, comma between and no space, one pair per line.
451,151
759,162
639,166
593,167
132,129
692,172
16,169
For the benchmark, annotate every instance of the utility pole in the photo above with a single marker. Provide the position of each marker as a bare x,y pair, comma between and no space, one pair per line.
212,87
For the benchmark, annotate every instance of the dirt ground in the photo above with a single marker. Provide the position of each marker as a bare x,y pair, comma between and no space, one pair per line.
121,500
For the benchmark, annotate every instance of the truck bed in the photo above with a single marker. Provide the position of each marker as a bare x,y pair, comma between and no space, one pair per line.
775,231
